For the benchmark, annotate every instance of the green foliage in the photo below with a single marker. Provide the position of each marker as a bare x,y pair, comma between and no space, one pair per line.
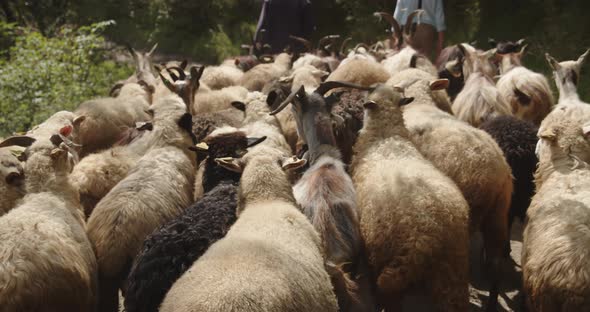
46,74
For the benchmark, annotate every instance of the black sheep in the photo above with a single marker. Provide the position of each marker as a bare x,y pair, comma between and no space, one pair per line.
170,250
517,139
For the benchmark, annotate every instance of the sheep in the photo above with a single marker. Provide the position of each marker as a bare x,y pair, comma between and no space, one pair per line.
471,158
479,100
12,177
517,138
156,190
205,123
360,71
46,260
555,257
176,245
270,259
52,125
567,75
260,75
99,123
258,122
327,197
414,219
217,100
225,75
407,58
527,92
449,65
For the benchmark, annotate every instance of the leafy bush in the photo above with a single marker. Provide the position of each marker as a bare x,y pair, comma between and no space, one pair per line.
43,75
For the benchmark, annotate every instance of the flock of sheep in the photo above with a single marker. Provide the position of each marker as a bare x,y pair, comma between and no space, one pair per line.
182,191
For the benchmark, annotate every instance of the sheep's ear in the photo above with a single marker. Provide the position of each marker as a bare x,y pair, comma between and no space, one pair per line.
78,120
229,163
405,101
553,63
255,141
239,105
439,84
548,134
66,130
116,89
19,140
292,163
582,58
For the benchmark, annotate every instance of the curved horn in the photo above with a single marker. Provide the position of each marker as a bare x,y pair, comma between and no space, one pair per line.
288,100
409,22
329,85
361,45
344,43
181,73
397,30
19,140
172,74
153,49
308,45
414,60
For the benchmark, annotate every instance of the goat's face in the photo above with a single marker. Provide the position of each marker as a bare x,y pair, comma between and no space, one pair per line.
183,85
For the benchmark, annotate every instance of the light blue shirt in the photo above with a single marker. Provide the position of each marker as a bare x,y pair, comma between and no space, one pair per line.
433,12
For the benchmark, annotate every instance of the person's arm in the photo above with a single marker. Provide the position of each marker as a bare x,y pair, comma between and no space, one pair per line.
440,25
307,19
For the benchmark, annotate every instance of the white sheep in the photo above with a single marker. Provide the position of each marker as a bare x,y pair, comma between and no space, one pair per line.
217,100
156,190
270,260
414,219
225,75
408,58
527,92
46,260
256,78
360,71
555,257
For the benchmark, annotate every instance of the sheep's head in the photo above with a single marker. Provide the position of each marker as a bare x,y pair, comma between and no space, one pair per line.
183,85
11,170
385,97
478,62
565,134
567,71
306,75
313,111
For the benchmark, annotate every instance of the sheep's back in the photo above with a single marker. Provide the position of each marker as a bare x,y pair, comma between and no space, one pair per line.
556,270
155,191
169,251
46,260
270,260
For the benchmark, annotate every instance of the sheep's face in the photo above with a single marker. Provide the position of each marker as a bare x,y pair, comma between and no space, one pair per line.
383,101
11,171
565,133
567,71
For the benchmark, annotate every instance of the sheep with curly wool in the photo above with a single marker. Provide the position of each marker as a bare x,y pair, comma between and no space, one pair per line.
225,75
170,250
270,259
46,259
479,100
527,92
555,257
99,123
517,138
156,190
12,178
471,158
256,78
414,219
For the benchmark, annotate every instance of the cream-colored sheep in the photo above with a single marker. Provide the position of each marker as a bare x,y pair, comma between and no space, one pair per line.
99,123
408,58
270,260
256,78
471,158
361,72
436,87
567,76
217,100
312,60
46,260
225,75
555,254
307,76
52,125
527,92
413,218
156,190
479,100
12,177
